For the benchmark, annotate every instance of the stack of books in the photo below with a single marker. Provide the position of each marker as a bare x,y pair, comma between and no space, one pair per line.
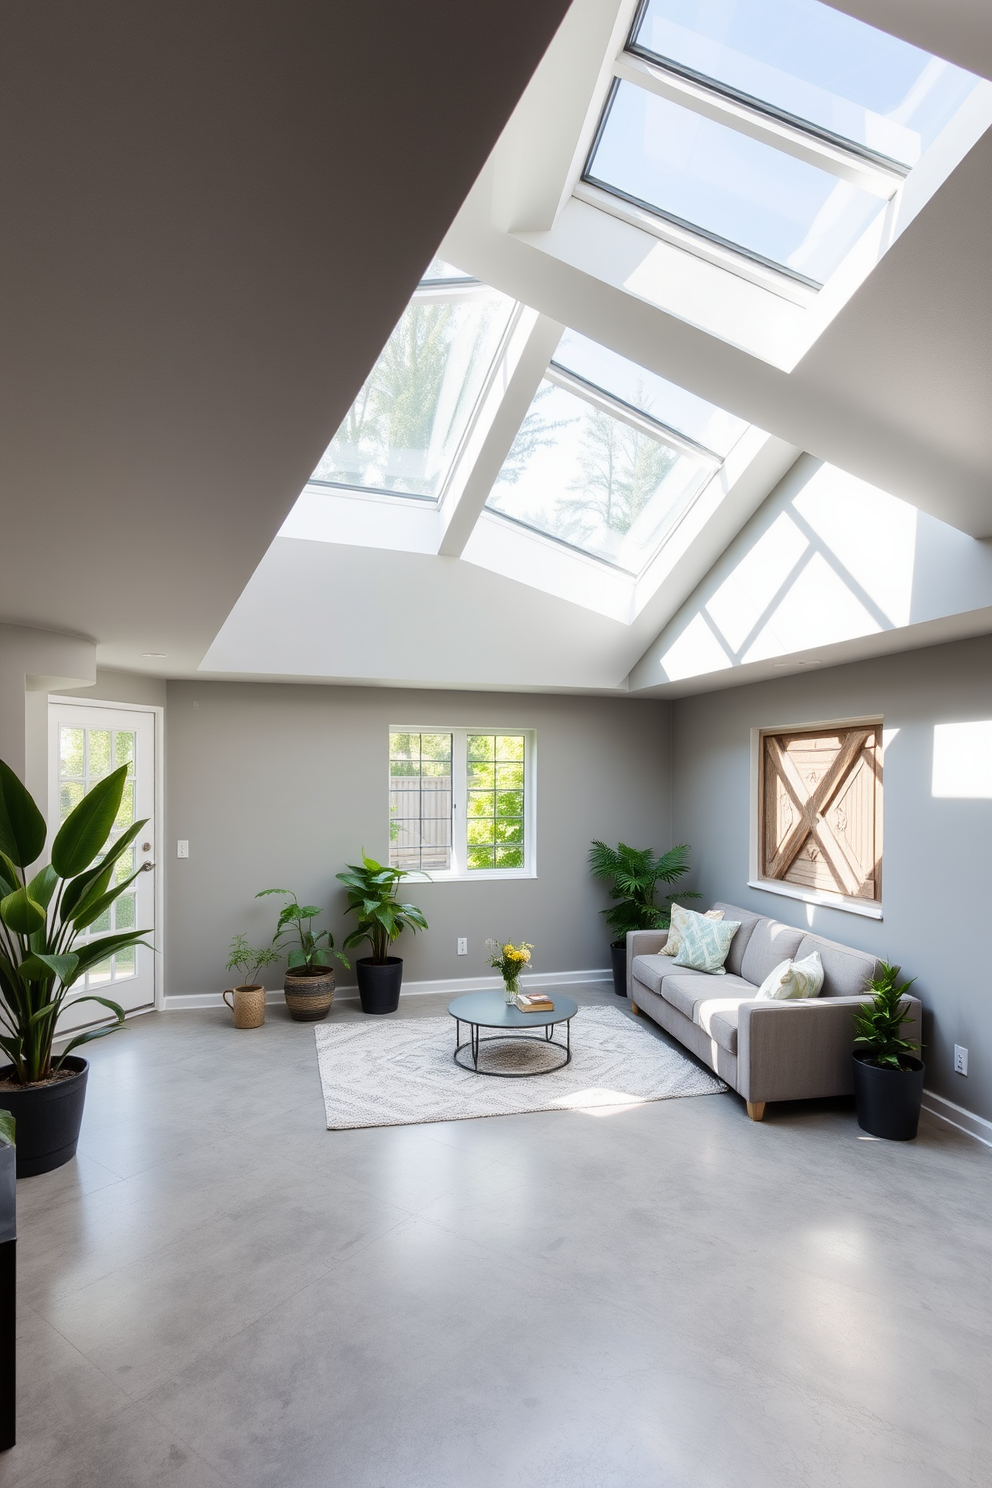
534,1002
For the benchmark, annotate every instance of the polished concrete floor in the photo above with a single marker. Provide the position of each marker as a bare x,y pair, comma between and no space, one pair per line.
220,1292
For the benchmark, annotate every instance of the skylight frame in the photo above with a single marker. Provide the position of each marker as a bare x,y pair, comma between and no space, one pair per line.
464,287
789,134
642,423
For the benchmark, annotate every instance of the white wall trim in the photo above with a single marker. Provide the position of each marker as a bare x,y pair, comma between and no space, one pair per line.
415,989
966,1121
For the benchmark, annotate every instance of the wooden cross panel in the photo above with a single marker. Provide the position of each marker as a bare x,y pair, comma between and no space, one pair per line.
821,807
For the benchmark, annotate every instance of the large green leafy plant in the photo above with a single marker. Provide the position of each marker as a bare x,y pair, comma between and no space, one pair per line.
372,897
633,875
878,1024
44,919
295,922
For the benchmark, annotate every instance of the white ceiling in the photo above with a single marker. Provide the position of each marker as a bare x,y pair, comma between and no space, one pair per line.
205,262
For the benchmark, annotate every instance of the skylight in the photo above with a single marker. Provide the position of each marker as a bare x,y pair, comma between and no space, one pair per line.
610,456
403,431
778,129
811,64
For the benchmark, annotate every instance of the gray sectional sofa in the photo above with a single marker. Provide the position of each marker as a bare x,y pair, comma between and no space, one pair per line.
768,1051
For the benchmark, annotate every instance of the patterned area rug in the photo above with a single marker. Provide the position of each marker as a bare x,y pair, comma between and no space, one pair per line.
396,1074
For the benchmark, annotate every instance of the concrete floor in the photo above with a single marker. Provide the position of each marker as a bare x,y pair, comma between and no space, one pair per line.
218,1291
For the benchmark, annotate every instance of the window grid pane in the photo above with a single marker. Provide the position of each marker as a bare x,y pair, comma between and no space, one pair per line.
420,801
495,814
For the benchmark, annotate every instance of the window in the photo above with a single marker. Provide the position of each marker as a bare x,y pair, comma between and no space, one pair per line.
405,428
779,129
461,801
610,456
820,813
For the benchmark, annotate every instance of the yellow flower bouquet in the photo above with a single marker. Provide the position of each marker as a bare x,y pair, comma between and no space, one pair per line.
509,960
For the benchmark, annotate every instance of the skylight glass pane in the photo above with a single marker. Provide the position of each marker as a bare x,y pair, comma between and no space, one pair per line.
815,64
439,270
404,428
591,480
735,188
681,410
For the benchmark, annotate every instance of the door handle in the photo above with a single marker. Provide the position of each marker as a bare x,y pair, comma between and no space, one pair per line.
146,867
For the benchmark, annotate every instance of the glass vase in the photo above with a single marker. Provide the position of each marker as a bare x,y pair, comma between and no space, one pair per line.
510,989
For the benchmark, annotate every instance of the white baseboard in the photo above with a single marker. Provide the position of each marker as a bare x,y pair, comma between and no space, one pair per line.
450,985
966,1121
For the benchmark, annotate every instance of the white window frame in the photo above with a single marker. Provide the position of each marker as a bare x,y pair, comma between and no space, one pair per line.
459,872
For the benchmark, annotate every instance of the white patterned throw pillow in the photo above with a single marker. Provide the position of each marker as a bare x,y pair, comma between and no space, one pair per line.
673,944
705,943
793,979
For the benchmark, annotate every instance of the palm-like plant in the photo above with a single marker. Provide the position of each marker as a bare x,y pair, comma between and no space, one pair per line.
633,874
43,920
381,917
877,1023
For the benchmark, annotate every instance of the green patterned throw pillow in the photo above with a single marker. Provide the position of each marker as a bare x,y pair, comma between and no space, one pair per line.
673,944
705,943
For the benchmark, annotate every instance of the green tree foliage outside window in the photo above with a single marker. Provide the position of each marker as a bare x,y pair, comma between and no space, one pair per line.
495,803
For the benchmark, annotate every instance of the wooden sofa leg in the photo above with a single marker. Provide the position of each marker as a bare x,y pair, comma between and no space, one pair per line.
756,1110
634,1008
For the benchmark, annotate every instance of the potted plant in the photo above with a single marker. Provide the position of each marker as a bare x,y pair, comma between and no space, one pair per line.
44,952
248,997
633,874
309,981
888,1078
381,919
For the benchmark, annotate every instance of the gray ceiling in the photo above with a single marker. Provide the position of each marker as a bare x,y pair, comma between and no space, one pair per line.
213,216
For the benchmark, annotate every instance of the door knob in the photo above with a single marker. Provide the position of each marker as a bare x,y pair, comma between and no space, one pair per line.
146,847
146,867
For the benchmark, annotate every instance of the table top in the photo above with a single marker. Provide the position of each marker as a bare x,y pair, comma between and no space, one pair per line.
491,1010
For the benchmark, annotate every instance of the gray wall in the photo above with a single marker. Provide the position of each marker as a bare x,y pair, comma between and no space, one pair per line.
937,853
281,785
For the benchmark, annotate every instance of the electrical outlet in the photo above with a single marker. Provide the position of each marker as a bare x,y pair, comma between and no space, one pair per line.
462,945
182,848
960,1059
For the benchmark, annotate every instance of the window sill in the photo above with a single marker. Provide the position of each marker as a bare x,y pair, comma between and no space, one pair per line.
481,873
818,897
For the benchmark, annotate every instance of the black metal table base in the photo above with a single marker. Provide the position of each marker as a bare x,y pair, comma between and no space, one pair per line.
475,1039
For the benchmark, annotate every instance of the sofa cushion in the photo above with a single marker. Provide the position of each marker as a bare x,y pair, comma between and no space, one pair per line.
793,979
650,970
845,971
739,943
770,943
687,990
705,943
718,1017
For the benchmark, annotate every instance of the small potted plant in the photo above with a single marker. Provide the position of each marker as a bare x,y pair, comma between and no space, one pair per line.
633,874
45,950
509,960
248,997
888,1078
381,919
309,981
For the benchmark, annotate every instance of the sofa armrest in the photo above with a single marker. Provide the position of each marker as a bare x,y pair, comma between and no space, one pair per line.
801,1048
643,943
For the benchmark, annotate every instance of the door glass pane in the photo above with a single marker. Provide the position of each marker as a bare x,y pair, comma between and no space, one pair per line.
98,761
124,749
71,752
737,189
814,63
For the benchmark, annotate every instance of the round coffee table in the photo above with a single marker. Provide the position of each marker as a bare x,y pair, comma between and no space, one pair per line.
491,1010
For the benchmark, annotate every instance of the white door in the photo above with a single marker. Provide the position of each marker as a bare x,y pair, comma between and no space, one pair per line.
87,741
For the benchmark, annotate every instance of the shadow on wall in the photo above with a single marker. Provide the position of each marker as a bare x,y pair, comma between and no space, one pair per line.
828,558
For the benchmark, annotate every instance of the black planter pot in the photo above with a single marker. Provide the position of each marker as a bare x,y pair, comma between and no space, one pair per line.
889,1100
379,983
48,1119
618,957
